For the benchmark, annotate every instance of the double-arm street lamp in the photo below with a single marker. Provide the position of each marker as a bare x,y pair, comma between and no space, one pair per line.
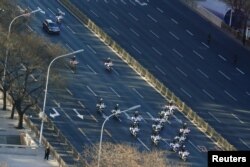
100,144
8,36
46,88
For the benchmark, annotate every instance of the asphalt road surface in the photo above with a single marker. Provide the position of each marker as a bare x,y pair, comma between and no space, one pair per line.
75,103
171,41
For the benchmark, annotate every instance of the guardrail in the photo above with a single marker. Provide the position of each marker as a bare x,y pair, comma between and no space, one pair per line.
18,149
161,88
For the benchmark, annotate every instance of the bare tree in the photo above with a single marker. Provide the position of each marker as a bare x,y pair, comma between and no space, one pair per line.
121,155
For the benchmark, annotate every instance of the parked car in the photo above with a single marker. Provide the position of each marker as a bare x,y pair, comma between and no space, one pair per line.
51,27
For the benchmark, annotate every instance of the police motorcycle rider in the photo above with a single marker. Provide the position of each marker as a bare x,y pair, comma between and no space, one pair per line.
59,16
184,130
183,153
116,111
157,125
136,118
108,64
170,107
155,138
100,106
134,130
175,145
180,138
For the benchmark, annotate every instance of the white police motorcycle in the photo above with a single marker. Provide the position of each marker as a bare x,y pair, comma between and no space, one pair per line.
175,146
155,139
134,130
184,131
108,64
183,155
100,107
135,120
59,16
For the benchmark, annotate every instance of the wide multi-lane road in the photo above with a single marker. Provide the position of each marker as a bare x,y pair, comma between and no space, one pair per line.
75,102
171,41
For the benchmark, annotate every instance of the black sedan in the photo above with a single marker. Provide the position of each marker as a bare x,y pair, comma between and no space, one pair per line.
51,27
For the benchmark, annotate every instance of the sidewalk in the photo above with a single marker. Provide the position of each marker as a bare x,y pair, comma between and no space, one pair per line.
12,154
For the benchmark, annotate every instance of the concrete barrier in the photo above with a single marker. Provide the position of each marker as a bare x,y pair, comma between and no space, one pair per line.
164,91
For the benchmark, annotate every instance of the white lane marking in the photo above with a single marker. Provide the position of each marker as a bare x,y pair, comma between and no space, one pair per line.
177,119
171,33
227,77
77,113
205,75
115,92
91,91
223,58
141,3
160,10
189,32
93,117
173,20
205,44
134,32
91,69
114,15
80,103
214,117
91,49
29,28
56,103
198,54
123,2
135,18
132,2
238,118
178,53
152,18
85,135
143,144
230,95
117,33
248,93
157,51
182,72
209,95
128,117
136,49
244,143
160,70
240,71
150,115
94,13
71,30
51,11
193,145
157,36
105,130
115,71
138,93
67,45
183,90
69,91
32,76
55,113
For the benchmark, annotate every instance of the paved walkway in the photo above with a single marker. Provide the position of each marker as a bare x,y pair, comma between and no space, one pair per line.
12,155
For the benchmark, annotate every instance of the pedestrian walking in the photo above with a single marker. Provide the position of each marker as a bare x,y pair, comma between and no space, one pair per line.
47,152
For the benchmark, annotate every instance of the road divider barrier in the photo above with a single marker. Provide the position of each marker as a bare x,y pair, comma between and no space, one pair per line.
144,73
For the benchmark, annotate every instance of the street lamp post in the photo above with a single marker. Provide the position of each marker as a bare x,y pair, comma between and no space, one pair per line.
8,36
46,87
100,143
